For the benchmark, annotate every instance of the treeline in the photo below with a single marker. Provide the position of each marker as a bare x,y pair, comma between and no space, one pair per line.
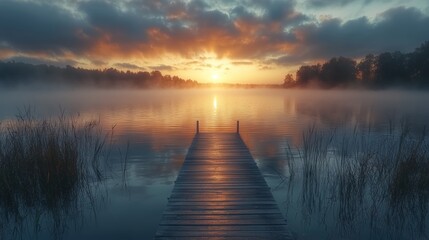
19,74
389,69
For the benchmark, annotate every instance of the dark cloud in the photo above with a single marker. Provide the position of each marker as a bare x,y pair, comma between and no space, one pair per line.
29,26
398,29
120,26
293,59
198,5
330,3
214,20
283,12
401,29
326,3
278,10
37,61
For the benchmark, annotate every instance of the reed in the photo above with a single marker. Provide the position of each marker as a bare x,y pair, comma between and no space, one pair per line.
46,165
359,179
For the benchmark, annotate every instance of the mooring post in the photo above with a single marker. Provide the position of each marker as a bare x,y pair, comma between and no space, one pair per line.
198,126
238,126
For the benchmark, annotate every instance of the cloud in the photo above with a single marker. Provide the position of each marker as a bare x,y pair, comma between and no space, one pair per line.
242,63
128,66
293,59
397,29
326,3
98,29
282,12
119,25
162,67
330,3
38,61
98,62
271,31
34,27
404,28
194,62
265,67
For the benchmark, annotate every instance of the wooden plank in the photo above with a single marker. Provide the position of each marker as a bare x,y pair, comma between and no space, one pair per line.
242,234
221,207
244,181
217,238
212,196
221,194
221,211
223,216
209,193
224,187
220,200
222,222
221,204
220,228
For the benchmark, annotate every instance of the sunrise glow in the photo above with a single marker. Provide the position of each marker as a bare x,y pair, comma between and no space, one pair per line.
215,77
233,41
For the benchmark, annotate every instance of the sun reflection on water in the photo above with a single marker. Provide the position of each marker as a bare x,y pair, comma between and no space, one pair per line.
215,103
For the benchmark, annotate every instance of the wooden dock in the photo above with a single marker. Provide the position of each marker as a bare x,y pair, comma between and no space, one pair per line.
221,194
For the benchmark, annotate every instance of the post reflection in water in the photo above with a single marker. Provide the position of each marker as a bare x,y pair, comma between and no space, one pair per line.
160,126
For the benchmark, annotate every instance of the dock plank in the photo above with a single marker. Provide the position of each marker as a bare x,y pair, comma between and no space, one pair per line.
221,194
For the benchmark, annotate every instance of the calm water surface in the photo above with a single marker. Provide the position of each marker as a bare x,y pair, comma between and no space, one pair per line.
158,127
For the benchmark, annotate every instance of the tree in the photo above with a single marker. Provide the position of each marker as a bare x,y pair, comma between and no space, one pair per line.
307,74
420,64
338,71
392,69
366,70
289,82
386,69
12,74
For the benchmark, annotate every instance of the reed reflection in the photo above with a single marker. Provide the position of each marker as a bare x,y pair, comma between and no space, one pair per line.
49,171
362,180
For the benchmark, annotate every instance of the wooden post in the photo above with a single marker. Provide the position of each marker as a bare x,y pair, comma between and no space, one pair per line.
198,126
238,126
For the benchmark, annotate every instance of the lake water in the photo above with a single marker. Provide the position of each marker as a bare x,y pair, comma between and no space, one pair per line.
158,127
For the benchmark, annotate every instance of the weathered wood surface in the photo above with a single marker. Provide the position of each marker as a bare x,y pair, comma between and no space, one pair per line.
221,194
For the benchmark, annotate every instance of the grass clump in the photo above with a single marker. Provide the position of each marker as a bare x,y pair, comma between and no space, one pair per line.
364,183
46,166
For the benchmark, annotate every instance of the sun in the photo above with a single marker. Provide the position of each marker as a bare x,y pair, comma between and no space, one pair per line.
215,76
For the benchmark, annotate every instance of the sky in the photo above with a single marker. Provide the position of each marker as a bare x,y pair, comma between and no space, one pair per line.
234,41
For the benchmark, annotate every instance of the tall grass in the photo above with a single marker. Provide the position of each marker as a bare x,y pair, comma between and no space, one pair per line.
46,167
364,183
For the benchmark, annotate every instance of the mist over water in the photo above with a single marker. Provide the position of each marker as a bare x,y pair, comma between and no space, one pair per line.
159,126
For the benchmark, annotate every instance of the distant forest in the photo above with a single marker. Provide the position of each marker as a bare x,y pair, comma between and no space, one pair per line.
389,69
14,74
